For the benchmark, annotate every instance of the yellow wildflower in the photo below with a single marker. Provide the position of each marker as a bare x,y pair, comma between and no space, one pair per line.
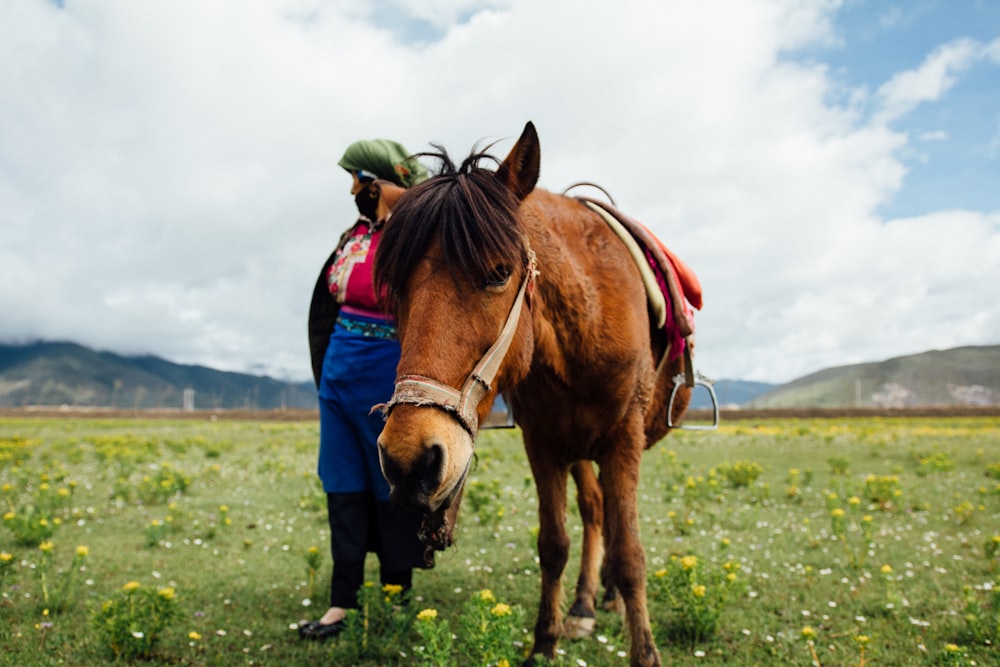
82,551
501,610
854,500
392,589
46,546
862,639
689,562
659,574
194,636
808,632
887,569
698,590
5,557
130,586
837,512
427,615
167,593
486,595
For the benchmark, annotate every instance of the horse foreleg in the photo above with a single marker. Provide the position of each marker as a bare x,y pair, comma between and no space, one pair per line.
553,552
625,560
580,620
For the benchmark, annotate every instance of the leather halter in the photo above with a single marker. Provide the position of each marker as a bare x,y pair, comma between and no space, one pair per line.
463,405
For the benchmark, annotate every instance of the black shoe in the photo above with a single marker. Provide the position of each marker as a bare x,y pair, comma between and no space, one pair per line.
319,631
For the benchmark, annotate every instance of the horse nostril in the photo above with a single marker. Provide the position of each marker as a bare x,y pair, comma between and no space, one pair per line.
413,489
430,469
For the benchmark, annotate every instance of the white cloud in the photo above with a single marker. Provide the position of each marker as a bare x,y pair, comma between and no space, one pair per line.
938,73
936,135
168,177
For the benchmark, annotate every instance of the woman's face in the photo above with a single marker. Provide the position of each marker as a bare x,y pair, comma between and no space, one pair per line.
357,184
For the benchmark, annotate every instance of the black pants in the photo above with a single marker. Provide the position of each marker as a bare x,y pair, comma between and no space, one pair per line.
359,524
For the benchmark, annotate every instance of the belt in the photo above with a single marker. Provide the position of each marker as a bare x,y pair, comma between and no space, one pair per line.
367,328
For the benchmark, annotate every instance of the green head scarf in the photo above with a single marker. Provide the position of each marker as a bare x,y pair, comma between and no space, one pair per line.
385,159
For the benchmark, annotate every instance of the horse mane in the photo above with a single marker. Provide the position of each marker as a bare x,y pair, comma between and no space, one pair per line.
467,210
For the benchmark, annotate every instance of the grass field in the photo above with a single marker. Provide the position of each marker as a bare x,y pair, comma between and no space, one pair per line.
768,542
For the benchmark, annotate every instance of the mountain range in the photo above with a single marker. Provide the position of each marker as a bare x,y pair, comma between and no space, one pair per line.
56,374
68,374
961,376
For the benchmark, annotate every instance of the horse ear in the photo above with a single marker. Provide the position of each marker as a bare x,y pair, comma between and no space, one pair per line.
519,172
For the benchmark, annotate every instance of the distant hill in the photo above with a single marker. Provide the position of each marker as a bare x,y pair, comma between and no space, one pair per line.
967,376
55,374
730,393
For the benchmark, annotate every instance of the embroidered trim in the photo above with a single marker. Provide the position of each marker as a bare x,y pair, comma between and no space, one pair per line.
378,330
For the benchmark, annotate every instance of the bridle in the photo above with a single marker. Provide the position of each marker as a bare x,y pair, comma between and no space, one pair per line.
424,391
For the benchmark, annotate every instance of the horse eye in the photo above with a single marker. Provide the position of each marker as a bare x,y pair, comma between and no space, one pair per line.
498,276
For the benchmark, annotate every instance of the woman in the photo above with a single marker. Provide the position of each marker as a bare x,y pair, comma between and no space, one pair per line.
354,355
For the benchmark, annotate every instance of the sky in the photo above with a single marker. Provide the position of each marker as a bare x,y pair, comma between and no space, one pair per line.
830,169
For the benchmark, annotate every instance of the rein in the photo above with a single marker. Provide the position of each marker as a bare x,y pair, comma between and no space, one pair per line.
463,405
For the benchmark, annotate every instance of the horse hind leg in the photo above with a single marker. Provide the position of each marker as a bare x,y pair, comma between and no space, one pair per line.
625,560
611,600
581,619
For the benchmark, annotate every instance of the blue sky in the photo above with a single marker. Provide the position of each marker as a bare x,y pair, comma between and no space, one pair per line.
957,162
168,179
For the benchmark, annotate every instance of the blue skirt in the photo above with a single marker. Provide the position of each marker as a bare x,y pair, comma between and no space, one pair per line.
359,371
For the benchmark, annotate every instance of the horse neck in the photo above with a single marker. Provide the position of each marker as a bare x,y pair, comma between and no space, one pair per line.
556,228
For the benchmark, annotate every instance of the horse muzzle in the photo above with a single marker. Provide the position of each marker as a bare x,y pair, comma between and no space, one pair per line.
425,455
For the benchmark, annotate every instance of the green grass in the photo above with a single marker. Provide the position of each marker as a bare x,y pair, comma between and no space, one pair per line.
241,578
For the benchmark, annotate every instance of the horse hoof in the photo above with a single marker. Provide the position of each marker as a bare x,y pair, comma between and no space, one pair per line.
578,627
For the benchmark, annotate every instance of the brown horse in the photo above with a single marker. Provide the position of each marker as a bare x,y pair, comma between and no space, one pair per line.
502,287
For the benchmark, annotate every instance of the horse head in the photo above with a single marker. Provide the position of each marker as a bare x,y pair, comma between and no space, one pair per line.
457,266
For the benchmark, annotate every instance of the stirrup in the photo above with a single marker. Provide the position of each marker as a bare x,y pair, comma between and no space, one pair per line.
699,379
